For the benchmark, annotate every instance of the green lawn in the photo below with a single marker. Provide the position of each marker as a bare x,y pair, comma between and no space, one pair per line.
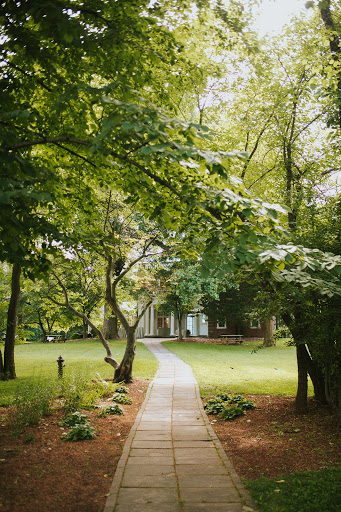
235,369
308,491
40,361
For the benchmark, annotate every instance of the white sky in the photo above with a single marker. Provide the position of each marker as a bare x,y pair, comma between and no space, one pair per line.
276,13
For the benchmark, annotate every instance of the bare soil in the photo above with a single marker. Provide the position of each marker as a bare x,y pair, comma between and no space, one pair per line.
49,474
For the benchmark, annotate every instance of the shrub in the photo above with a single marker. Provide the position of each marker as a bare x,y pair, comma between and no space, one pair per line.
80,432
231,411
112,409
214,406
228,407
121,389
75,418
121,399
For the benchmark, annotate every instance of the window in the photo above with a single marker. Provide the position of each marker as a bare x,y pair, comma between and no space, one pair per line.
162,321
254,323
203,319
221,324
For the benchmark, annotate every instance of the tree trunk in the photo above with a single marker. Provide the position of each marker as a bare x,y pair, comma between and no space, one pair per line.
41,326
2,371
268,333
317,379
333,388
180,327
12,314
301,401
85,329
124,373
110,324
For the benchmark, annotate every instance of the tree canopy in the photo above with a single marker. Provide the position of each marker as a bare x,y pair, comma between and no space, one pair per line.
90,90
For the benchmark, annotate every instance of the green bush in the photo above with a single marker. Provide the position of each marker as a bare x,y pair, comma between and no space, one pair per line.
230,412
80,432
75,332
112,409
214,406
121,389
228,407
121,399
74,418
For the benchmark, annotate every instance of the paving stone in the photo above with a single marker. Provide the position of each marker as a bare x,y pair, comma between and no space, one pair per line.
212,507
192,469
152,425
156,460
152,435
210,495
189,460
151,452
204,481
190,443
151,444
149,507
134,470
209,451
143,480
137,495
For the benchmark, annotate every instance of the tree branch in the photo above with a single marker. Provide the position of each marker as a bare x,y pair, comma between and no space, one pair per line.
46,140
75,154
18,68
109,357
142,312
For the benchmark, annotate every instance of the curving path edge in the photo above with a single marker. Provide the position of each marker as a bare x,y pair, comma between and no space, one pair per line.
172,460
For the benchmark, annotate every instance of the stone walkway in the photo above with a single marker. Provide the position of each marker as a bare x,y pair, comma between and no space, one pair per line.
172,460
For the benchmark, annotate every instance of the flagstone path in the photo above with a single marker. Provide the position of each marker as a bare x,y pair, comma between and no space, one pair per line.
172,460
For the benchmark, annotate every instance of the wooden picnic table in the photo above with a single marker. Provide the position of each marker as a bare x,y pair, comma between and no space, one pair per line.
237,338
54,338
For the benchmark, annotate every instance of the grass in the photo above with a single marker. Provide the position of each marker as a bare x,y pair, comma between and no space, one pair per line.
37,361
235,369
309,491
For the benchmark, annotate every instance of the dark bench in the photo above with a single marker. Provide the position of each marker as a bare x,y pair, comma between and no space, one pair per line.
235,338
